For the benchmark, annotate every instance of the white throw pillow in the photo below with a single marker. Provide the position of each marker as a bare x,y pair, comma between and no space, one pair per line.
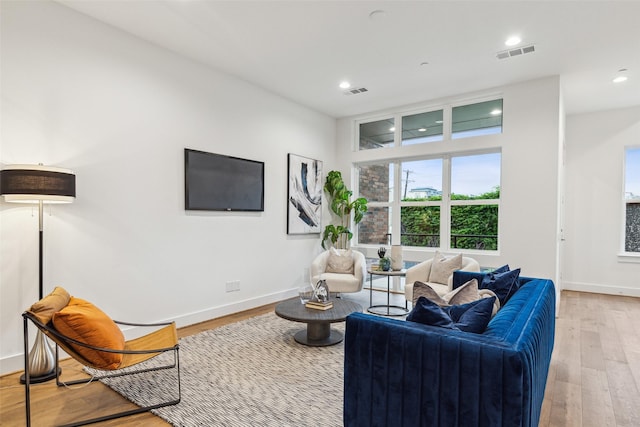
442,268
464,294
340,263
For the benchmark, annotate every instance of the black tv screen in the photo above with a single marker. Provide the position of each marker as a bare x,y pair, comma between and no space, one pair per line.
215,182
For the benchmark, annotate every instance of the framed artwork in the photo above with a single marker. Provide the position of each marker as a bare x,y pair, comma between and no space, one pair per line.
304,197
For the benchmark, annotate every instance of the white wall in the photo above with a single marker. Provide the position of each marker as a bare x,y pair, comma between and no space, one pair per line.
530,155
594,216
119,112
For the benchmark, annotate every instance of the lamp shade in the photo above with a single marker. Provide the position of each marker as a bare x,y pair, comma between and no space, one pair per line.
34,183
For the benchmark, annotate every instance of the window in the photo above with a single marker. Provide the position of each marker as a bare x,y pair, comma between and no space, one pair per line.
377,134
430,216
421,128
484,118
632,200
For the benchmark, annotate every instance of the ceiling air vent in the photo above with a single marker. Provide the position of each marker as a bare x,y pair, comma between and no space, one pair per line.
515,52
355,91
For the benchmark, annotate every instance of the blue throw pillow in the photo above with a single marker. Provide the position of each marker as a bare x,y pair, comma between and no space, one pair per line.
502,269
476,318
472,317
504,285
456,311
429,313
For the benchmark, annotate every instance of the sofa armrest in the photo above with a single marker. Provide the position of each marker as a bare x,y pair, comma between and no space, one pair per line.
406,374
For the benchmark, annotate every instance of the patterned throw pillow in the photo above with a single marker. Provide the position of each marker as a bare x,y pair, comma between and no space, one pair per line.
442,268
340,262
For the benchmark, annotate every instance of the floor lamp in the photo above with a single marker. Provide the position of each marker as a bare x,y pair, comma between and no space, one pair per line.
38,184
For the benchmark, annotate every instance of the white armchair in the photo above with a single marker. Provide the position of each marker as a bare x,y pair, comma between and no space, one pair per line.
340,282
420,272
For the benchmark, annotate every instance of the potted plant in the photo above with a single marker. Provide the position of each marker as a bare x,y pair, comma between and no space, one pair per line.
342,206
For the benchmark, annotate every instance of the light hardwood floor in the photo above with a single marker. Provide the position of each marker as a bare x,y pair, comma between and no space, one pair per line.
594,378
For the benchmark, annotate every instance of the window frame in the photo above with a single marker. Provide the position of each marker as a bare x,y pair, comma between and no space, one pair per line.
446,203
624,255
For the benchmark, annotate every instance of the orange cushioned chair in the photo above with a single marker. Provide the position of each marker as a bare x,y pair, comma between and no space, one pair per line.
89,336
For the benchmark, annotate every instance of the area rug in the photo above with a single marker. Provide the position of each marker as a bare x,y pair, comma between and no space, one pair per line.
250,373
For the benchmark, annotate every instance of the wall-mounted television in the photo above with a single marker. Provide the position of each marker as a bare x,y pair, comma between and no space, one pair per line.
216,182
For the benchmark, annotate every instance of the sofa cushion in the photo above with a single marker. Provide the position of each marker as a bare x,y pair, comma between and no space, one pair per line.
464,294
475,318
503,284
442,268
428,312
84,322
471,317
340,262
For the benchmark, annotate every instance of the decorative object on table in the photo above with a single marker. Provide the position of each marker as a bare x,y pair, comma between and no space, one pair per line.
396,257
320,298
384,264
321,292
38,184
304,199
305,292
342,206
382,251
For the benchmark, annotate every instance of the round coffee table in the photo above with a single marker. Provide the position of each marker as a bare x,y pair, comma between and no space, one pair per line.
318,332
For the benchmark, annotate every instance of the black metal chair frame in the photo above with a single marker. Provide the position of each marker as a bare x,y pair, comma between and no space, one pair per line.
51,332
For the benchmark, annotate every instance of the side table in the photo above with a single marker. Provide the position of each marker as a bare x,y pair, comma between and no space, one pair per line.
388,309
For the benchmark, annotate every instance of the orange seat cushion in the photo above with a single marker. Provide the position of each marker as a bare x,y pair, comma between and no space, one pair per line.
84,322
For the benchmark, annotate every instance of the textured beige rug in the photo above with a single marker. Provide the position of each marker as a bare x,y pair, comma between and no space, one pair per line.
251,373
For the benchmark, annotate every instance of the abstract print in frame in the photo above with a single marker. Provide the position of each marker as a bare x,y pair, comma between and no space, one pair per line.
304,201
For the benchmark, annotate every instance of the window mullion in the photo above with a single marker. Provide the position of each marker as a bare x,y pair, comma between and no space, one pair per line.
445,210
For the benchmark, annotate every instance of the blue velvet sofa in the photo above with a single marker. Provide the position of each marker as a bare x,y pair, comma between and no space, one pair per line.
400,373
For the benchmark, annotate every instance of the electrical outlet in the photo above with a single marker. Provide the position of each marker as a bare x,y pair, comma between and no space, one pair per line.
233,286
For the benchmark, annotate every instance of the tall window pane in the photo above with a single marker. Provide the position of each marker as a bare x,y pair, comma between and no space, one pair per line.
375,227
632,200
374,182
483,118
474,227
420,226
377,134
475,177
421,128
421,180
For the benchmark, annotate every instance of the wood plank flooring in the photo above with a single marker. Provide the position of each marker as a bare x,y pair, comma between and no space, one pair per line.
594,378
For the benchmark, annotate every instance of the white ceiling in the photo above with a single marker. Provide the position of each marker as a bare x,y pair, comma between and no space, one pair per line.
301,50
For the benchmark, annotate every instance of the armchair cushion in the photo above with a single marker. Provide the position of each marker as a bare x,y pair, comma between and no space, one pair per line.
442,268
340,262
82,321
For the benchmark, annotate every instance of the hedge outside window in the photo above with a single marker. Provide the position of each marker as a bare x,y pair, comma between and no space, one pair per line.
632,200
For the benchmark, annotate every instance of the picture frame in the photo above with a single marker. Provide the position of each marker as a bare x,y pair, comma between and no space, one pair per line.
304,195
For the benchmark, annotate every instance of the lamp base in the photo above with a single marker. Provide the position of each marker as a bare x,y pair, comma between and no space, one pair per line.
40,379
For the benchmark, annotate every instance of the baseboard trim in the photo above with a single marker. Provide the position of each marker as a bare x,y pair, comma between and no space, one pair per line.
600,289
15,363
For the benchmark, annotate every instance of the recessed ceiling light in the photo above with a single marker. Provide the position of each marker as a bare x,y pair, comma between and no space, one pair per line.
513,40
620,79
496,112
439,122
392,129
422,130
345,85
